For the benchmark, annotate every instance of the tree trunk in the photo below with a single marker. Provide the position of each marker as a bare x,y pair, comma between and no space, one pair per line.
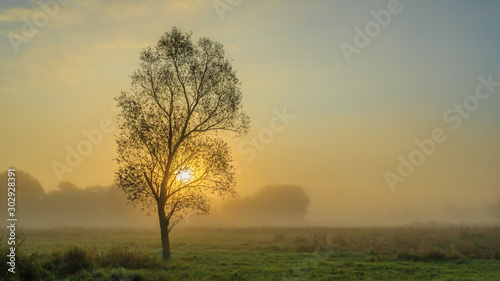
165,242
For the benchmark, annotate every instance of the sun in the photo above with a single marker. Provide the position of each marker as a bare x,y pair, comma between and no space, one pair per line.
184,175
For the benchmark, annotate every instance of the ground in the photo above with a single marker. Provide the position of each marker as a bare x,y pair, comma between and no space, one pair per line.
391,253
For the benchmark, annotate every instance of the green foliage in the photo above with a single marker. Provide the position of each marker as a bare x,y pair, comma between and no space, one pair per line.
28,267
69,262
123,257
184,95
31,268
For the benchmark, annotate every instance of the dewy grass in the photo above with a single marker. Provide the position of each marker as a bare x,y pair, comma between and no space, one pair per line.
445,252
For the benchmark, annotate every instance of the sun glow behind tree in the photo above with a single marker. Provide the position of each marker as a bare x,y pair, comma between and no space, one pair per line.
185,175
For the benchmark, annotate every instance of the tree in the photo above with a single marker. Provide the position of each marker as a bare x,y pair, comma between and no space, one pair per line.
29,193
183,98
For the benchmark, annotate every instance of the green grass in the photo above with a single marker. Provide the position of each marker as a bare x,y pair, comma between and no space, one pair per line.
397,253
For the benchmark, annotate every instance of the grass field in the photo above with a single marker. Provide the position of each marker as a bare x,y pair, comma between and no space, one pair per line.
425,252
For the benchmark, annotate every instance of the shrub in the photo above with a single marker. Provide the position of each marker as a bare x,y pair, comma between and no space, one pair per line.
407,256
433,255
69,262
122,257
30,268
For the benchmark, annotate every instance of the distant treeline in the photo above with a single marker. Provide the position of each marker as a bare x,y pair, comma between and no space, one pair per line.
106,206
69,205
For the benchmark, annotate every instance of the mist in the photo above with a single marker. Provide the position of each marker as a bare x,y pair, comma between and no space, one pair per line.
68,205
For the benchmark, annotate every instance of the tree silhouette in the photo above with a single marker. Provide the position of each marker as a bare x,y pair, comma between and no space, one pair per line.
171,156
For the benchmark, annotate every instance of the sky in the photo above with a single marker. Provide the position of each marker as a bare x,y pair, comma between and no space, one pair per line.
339,93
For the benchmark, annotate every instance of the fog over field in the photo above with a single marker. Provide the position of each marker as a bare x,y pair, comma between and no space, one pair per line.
390,127
274,205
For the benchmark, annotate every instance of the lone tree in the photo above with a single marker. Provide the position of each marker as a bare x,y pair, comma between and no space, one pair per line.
171,156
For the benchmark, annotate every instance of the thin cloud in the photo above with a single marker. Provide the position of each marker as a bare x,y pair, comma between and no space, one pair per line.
15,14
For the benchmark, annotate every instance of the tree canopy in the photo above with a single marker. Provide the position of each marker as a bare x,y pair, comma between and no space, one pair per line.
182,97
